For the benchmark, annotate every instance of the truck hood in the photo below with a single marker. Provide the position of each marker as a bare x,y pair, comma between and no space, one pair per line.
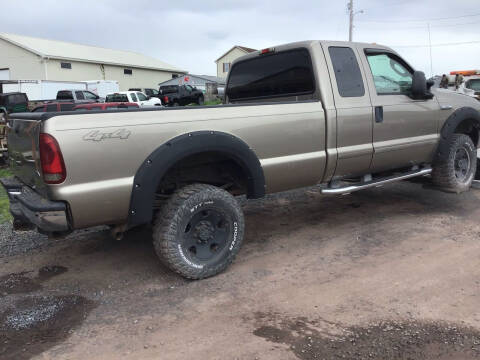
455,100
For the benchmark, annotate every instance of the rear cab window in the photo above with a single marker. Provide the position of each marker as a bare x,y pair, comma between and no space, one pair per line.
284,74
347,72
116,98
168,89
64,95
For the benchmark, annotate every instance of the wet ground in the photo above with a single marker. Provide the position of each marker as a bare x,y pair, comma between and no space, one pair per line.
387,273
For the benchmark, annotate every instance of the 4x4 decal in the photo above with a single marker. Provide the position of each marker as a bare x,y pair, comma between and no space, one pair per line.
97,135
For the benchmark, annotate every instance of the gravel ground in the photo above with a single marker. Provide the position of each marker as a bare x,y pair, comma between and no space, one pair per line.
16,243
386,273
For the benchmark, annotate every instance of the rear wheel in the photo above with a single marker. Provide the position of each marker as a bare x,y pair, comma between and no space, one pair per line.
175,104
199,231
455,172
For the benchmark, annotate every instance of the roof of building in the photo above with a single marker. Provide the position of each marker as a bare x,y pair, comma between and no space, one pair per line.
86,53
243,48
208,78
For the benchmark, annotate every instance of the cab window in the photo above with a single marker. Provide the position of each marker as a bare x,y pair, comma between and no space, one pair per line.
141,97
390,75
79,95
347,72
134,97
284,74
89,95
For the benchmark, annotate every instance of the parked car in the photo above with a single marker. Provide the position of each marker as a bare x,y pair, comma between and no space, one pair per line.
147,91
12,102
302,114
54,107
107,106
134,97
471,86
79,96
180,95
42,90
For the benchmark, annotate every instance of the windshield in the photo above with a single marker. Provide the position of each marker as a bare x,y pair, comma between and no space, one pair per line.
473,84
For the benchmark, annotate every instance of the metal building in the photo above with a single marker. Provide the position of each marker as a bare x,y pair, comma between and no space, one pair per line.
25,57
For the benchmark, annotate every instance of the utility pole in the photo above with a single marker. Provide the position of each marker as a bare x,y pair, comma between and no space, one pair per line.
351,14
350,28
430,46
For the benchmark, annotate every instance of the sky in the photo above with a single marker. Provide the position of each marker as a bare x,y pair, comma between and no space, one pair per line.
191,35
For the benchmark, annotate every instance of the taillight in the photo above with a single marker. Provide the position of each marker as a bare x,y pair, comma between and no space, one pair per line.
267,51
51,158
165,99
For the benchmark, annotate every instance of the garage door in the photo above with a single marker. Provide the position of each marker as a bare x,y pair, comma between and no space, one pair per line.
4,74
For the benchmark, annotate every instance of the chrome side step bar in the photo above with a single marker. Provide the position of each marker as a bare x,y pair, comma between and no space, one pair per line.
376,183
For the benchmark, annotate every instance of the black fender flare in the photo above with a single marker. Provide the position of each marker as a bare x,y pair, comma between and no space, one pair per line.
156,165
451,124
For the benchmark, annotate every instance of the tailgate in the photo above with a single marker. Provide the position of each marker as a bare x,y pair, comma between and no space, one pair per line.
23,144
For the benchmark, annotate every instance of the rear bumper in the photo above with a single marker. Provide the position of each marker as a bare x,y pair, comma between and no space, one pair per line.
29,209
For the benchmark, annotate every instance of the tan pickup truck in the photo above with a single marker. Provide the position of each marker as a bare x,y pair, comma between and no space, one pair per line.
346,116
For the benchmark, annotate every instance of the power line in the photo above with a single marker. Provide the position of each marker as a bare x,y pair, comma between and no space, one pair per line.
419,20
432,26
386,5
434,45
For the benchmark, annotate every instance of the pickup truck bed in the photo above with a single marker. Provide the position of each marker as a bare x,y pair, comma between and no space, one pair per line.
344,115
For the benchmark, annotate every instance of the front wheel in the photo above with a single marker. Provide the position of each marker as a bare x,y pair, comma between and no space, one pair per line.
200,100
456,170
199,231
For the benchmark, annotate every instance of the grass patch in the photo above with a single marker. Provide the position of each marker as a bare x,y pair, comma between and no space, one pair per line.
208,103
213,102
5,215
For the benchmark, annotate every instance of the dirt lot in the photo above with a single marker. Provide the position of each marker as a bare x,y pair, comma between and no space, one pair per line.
387,273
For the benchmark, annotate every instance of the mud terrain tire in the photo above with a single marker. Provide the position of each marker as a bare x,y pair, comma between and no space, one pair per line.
455,171
199,231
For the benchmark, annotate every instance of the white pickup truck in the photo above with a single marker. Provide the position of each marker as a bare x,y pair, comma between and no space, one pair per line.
136,97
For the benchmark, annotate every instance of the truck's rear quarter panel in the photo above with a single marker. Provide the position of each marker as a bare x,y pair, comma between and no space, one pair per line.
288,138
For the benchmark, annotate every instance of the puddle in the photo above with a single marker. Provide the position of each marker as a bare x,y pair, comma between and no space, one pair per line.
20,283
384,340
17,284
47,272
32,324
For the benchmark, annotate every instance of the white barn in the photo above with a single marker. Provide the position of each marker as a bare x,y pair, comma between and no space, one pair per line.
25,57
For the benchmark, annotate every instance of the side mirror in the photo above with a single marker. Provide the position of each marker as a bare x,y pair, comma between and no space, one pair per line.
420,90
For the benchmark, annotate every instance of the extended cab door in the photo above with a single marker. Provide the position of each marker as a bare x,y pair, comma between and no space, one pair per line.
405,131
353,108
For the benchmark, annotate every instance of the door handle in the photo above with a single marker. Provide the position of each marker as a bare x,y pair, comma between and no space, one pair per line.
378,114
